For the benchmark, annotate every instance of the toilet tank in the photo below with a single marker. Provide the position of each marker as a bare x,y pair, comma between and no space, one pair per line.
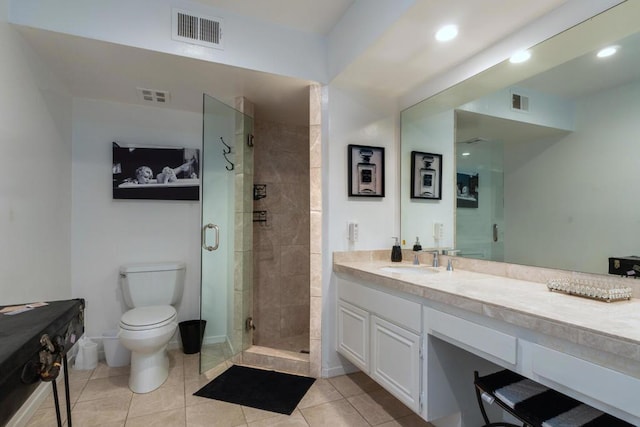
159,283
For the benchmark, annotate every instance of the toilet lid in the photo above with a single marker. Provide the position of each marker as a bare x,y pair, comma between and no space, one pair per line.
148,317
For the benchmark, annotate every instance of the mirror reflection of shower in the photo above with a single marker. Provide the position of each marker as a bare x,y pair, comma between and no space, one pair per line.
480,196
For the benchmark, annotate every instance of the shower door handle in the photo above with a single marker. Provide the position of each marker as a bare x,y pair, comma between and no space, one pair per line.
495,232
204,237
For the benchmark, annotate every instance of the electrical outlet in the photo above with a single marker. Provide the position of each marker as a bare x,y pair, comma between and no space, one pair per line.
438,231
353,231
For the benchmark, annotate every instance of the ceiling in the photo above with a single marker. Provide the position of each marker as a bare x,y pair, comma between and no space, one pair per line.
404,57
313,16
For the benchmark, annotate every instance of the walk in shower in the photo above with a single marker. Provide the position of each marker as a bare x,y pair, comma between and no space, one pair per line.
255,295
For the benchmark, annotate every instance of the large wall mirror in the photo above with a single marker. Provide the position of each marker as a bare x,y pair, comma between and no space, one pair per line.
541,160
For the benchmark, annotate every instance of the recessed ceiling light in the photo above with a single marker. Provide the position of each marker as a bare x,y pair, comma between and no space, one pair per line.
446,33
607,51
466,153
519,57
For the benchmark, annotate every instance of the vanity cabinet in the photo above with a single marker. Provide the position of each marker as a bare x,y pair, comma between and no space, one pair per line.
353,334
395,360
423,341
380,333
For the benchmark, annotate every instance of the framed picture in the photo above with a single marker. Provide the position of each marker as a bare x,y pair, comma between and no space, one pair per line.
426,175
156,173
467,191
366,171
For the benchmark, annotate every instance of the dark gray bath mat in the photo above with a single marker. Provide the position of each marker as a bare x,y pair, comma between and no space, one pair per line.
257,388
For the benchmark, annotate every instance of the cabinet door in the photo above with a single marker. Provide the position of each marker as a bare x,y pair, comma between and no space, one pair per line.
395,361
353,334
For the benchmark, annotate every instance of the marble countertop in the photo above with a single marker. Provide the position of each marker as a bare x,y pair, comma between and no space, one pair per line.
612,327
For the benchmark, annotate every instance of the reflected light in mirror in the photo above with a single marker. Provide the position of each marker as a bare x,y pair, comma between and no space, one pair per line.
520,57
607,51
446,33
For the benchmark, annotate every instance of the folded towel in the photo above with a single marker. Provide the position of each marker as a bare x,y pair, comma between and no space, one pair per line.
519,391
578,416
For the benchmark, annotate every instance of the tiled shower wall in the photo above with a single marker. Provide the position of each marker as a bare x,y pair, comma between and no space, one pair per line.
281,243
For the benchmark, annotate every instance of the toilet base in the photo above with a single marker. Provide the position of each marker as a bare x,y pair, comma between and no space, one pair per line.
148,370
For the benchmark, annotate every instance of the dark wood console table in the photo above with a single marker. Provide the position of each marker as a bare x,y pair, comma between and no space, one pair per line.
33,348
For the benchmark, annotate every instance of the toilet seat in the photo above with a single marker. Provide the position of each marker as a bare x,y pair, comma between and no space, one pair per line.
145,318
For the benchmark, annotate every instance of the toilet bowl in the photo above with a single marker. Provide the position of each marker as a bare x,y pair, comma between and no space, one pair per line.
150,290
146,331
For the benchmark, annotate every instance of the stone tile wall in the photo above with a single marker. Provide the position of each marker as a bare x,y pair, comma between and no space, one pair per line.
281,244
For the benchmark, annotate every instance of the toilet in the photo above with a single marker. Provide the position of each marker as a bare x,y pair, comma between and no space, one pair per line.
150,290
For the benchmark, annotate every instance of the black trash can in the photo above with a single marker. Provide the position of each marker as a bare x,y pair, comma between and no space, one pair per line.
191,333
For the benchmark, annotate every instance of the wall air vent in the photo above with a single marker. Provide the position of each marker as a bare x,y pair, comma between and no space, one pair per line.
519,102
196,29
153,96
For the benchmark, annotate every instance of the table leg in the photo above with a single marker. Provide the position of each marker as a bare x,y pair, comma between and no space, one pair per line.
66,389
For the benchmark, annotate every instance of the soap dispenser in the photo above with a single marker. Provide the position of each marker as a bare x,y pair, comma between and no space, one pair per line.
396,251
417,247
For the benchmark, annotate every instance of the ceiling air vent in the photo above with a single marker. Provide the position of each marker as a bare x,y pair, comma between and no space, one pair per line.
519,102
197,29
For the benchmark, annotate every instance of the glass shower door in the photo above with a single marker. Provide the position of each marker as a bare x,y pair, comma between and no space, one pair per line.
226,263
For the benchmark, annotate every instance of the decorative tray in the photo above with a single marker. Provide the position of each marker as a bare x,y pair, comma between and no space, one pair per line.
598,289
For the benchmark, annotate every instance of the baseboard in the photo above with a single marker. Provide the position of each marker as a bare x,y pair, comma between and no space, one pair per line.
339,370
216,339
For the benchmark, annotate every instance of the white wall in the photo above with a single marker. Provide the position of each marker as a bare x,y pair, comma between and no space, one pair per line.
354,118
107,233
581,188
35,196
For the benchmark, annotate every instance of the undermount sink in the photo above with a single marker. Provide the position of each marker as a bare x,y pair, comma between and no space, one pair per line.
409,269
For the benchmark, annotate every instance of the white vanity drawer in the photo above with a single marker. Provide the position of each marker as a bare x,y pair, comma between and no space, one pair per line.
602,384
398,310
472,335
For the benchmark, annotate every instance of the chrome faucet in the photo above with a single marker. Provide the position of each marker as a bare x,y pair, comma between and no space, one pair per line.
416,261
436,263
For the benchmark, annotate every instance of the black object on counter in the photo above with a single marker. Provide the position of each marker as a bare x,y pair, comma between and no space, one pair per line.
396,252
417,247
625,266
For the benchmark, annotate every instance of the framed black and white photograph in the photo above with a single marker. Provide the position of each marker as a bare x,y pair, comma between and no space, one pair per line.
156,173
426,175
467,190
366,171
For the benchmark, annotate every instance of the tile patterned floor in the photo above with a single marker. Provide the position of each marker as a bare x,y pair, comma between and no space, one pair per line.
101,397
